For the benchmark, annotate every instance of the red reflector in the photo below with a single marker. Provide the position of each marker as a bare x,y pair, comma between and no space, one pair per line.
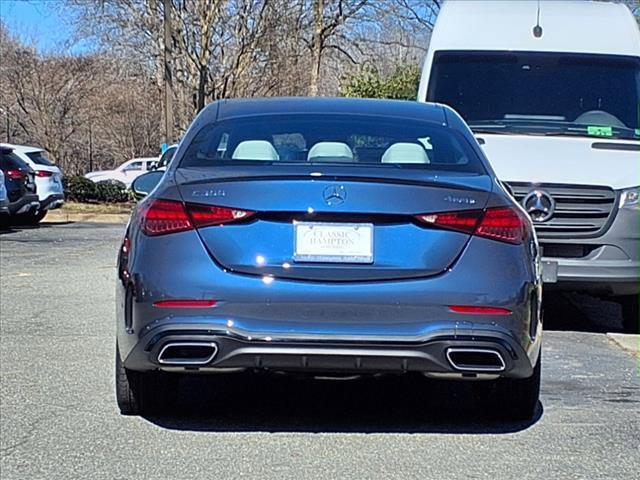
208,215
160,217
470,309
42,173
504,223
184,303
14,174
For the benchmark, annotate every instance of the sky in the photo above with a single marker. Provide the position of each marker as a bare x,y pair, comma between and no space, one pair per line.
44,23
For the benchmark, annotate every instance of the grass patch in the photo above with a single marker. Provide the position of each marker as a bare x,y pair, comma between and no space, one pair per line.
76,207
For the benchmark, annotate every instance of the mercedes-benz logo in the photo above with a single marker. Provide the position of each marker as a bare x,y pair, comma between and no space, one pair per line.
539,205
334,195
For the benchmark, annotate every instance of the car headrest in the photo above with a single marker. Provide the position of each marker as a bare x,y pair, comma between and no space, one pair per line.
255,150
336,151
405,153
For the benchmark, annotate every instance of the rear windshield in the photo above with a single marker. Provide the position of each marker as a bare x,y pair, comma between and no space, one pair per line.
10,161
40,158
348,140
540,92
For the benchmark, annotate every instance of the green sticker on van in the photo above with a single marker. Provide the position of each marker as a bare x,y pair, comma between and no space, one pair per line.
600,131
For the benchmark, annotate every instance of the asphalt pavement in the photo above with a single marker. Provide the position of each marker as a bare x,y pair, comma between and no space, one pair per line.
59,420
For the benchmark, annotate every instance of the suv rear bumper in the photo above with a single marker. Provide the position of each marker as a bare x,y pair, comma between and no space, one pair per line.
55,200
24,204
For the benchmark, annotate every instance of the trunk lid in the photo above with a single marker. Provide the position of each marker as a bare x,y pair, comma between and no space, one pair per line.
377,203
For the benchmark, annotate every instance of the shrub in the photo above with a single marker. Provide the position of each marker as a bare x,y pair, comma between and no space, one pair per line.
111,192
79,189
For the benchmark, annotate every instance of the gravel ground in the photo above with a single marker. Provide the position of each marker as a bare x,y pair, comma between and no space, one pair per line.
59,418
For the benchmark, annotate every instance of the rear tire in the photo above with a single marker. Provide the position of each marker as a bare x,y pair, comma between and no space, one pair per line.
513,399
30,218
143,393
630,313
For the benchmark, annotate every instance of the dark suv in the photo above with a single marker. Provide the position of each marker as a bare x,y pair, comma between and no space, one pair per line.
19,180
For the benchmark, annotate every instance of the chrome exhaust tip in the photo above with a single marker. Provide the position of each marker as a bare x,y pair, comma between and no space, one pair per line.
475,359
187,353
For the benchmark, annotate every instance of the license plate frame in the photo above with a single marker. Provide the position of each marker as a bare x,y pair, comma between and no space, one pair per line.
342,242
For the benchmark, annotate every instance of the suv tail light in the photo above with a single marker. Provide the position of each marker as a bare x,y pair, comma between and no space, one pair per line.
505,224
15,174
43,173
161,217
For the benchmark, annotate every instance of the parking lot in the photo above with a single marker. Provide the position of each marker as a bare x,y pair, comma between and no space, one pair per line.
60,420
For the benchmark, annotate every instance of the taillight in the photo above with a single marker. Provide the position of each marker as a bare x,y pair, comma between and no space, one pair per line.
208,215
42,173
161,217
465,221
15,174
505,224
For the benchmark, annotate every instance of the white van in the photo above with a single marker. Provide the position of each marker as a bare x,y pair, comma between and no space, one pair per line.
552,91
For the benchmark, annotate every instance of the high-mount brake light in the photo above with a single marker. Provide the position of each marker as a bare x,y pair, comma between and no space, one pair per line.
161,217
505,224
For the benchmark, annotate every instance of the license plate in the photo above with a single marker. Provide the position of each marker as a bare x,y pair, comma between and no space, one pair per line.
333,242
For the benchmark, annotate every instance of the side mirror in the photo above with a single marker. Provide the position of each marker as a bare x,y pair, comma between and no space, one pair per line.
145,183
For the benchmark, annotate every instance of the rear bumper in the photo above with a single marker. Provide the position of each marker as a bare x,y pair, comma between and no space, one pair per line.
24,204
333,354
55,200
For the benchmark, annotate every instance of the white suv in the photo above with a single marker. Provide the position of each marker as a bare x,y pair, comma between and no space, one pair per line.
48,178
125,173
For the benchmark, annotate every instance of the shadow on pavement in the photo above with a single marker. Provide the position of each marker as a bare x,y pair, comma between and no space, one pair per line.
278,403
19,228
580,313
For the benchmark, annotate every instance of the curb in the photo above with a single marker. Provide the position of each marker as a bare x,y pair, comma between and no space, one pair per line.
628,342
54,216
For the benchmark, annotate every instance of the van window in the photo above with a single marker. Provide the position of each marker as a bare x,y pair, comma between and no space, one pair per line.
539,92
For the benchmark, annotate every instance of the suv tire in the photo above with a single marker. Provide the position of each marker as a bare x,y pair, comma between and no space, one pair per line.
30,218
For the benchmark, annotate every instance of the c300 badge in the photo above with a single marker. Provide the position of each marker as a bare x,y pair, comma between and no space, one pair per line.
460,200
208,193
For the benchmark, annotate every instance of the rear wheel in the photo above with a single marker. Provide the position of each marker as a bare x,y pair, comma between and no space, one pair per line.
511,398
30,218
630,313
143,393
